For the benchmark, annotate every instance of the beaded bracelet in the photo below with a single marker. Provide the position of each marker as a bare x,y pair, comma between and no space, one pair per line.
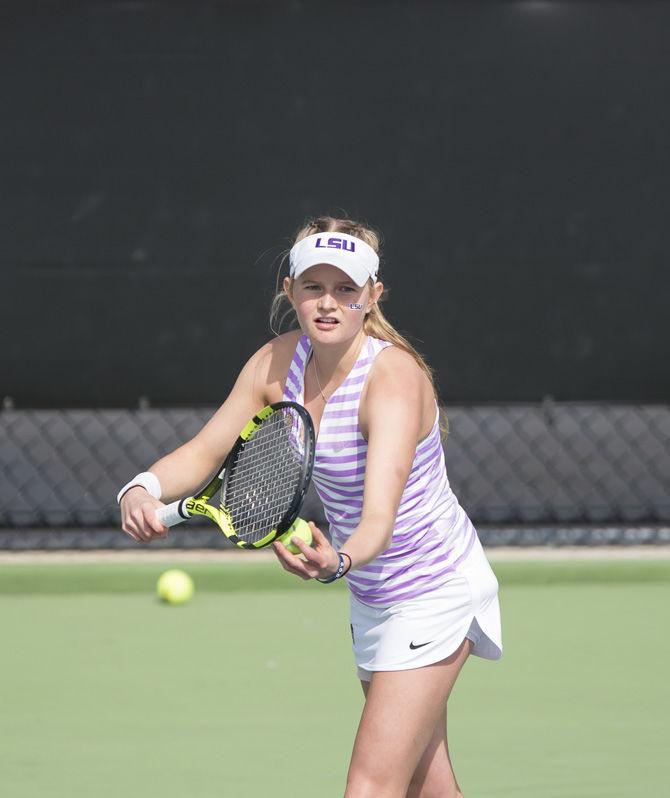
341,570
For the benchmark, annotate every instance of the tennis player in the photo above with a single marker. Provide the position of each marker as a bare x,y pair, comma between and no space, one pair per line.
422,594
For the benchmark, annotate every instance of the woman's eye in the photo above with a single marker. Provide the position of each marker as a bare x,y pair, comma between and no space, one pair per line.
347,289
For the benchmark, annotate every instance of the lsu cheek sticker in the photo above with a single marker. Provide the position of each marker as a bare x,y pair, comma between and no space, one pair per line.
355,306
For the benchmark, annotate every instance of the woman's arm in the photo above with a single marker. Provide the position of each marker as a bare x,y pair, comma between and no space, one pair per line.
392,409
190,466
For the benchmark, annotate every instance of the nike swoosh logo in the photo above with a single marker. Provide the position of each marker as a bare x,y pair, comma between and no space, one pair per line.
420,645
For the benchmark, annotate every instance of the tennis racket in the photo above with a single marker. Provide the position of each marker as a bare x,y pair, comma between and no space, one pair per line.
257,494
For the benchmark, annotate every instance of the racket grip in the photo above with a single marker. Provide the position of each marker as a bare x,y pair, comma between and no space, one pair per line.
172,514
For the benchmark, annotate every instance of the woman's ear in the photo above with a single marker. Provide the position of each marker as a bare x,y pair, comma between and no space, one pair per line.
287,285
375,293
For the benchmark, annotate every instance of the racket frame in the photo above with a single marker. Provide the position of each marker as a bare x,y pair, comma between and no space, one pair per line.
199,504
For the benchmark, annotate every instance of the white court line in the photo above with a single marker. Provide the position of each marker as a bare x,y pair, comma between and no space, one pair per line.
495,554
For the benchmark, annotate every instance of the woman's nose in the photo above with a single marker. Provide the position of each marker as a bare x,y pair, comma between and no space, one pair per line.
327,301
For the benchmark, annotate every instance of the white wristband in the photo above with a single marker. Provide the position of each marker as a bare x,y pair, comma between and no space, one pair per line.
145,480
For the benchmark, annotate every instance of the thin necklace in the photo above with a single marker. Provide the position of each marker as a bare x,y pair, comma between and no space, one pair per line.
318,382
316,373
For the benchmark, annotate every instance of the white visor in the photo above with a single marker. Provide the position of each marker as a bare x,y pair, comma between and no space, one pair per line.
356,258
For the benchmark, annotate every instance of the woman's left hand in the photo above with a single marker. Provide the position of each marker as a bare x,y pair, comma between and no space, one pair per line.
321,559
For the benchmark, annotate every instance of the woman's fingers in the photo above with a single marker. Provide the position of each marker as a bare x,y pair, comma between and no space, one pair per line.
304,547
151,520
317,562
307,568
130,531
139,519
290,562
318,536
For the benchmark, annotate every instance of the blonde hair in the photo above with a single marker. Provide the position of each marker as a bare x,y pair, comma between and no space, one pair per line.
375,323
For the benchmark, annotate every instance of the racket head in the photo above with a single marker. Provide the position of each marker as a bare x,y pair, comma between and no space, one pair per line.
266,475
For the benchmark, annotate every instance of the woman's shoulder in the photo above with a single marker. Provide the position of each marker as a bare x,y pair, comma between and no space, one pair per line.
392,362
273,360
280,346
395,372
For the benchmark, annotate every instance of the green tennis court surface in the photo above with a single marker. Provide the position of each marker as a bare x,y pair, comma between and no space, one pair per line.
250,689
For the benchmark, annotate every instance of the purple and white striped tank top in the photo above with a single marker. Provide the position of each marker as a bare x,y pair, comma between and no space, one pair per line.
432,534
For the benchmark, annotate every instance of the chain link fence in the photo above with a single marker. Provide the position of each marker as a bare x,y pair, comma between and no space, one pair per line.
547,474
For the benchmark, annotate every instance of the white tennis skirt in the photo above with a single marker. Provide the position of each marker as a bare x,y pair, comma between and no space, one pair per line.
429,628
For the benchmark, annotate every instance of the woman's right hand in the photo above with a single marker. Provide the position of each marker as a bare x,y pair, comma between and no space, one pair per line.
138,516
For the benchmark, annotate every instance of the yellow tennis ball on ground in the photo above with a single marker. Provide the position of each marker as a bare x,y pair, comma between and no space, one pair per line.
175,587
299,529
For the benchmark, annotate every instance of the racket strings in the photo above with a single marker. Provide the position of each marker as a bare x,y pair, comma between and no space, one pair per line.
258,498
266,475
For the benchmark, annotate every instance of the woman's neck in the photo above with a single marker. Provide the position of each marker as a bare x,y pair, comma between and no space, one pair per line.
335,362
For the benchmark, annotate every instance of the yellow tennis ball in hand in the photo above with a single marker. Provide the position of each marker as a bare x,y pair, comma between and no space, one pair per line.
175,587
299,529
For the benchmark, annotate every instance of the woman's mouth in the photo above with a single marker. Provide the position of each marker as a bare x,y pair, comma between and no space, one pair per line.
326,322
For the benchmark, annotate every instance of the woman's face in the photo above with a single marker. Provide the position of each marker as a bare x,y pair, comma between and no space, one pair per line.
322,296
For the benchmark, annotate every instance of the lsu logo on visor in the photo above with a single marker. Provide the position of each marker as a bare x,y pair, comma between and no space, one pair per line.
336,243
